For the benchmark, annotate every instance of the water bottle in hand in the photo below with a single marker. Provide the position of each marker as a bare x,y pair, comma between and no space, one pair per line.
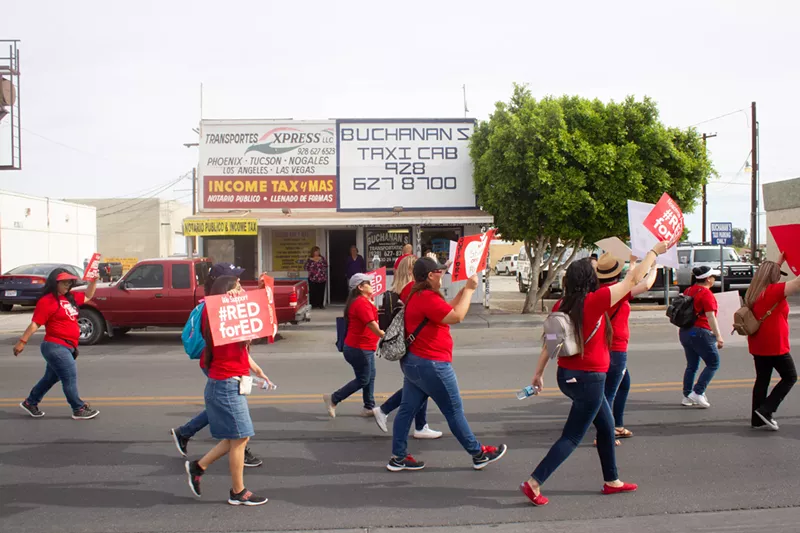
530,390
262,383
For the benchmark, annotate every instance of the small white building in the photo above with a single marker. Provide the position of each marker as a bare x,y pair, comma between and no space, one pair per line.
44,230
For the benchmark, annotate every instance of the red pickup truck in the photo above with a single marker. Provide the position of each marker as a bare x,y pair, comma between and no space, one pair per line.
163,292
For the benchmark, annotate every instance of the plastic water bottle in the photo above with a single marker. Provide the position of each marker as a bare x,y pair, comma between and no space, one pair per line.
528,391
263,384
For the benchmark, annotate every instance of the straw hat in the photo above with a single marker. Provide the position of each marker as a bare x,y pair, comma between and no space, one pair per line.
608,267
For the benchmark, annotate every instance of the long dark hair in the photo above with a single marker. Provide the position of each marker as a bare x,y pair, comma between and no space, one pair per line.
424,285
51,286
579,281
222,285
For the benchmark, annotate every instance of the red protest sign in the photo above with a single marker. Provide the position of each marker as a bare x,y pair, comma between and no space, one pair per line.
471,255
378,281
787,240
665,221
92,268
246,316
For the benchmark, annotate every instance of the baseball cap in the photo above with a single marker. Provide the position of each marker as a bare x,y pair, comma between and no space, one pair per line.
66,276
225,269
425,266
705,272
358,279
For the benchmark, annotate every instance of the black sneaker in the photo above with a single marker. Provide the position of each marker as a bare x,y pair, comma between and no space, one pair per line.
397,464
488,455
194,472
180,441
250,459
85,413
246,498
31,409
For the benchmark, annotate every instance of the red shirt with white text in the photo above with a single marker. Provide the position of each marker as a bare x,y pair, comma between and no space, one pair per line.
59,318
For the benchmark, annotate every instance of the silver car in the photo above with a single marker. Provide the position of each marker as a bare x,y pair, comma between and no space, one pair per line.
737,273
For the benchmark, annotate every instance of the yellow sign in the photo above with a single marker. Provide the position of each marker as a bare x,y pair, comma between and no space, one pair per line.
290,249
216,226
127,262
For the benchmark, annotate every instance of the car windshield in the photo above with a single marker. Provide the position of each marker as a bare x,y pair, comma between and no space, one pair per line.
712,255
32,270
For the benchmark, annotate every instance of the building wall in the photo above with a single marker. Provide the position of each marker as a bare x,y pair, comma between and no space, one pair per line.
42,230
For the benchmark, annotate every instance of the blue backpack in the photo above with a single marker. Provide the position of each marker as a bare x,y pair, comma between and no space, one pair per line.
192,336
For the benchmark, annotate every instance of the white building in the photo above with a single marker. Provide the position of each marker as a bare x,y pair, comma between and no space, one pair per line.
44,230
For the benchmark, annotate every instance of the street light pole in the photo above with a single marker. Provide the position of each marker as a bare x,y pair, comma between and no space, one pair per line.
705,202
754,188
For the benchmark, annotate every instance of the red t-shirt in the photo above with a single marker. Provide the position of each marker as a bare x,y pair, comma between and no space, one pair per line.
434,341
704,302
595,357
406,291
772,338
620,315
59,318
362,312
397,263
228,360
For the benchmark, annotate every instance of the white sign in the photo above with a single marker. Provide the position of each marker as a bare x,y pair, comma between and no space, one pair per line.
727,304
642,241
615,247
411,164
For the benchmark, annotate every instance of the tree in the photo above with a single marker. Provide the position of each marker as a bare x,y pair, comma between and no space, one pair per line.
739,237
557,173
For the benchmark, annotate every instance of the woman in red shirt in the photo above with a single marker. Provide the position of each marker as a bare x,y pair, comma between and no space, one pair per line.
769,346
360,344
228,414
57,311
703,340
582,377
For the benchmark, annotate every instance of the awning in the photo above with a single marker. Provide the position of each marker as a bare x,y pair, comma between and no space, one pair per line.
328,219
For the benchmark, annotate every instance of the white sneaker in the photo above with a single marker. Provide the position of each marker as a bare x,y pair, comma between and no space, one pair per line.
380,419
328,399
687,402
427,433
700,400
769,422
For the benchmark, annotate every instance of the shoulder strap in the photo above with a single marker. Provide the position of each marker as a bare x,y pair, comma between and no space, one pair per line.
771,309
411,338
597,327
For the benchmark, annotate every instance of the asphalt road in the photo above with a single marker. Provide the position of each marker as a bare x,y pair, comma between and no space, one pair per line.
697,469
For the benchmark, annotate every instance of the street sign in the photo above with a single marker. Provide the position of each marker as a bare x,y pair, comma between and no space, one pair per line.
722,233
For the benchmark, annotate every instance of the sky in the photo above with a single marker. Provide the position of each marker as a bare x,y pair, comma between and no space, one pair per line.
111,91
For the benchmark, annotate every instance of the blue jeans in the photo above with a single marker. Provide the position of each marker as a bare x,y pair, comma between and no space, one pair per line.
60,367
424,378
587,392
618,384
193,426
420,419
699,343
363,363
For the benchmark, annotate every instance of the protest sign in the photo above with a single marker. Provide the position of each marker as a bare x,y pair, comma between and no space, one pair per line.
452,256
642,241
787,240
615,247
92,268
665,221
471,254
269,287
243,317
727,304
378,281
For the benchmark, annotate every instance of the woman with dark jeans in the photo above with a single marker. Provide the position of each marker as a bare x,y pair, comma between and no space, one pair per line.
57,310
360,344
769,346
428,370
317,268
582,378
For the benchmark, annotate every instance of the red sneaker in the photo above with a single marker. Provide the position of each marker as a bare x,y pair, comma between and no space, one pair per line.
537,500
626,487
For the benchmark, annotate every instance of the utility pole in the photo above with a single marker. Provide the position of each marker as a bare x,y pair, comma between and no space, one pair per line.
194,191
705,202
754,189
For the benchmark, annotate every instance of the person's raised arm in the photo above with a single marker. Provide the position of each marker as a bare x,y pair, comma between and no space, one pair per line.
790,287
621,289
647,283
91,289
462,301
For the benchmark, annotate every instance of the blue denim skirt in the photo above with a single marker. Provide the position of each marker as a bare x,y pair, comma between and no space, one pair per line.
228,413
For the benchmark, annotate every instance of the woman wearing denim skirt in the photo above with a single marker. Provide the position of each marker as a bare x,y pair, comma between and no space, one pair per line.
228,413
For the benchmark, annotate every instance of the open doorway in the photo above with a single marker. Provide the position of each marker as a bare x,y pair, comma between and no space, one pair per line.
339,242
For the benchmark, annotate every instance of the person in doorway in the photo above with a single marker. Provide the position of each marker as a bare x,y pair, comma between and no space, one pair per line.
354,264
701,341
317,268
770,346
582,377
57,310
427,367
181,435
406,252
392,303
618,378
228,412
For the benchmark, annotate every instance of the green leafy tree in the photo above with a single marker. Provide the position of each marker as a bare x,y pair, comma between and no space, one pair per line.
557,173
739,237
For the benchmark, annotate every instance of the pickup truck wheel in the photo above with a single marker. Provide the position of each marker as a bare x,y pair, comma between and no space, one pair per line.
6,308
92,327
522,287
508,272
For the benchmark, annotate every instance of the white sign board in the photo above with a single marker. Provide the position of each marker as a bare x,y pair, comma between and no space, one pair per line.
410,164
615,247
727,304
642,241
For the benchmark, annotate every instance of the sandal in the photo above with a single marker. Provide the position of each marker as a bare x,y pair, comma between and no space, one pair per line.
616,442
622,433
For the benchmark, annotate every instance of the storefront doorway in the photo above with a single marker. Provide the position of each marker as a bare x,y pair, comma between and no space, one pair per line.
339,242
238,250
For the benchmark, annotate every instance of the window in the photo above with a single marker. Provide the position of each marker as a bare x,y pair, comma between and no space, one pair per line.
514,257
683,257
712,256
146,277
386,245
201,271
180,276
437,240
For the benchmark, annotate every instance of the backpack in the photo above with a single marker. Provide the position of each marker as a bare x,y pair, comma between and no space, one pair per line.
341,332
391,306
681,311
192,336
394,344
745,322
560,339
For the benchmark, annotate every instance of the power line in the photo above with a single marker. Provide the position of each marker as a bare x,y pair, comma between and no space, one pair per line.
743,110
142,200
